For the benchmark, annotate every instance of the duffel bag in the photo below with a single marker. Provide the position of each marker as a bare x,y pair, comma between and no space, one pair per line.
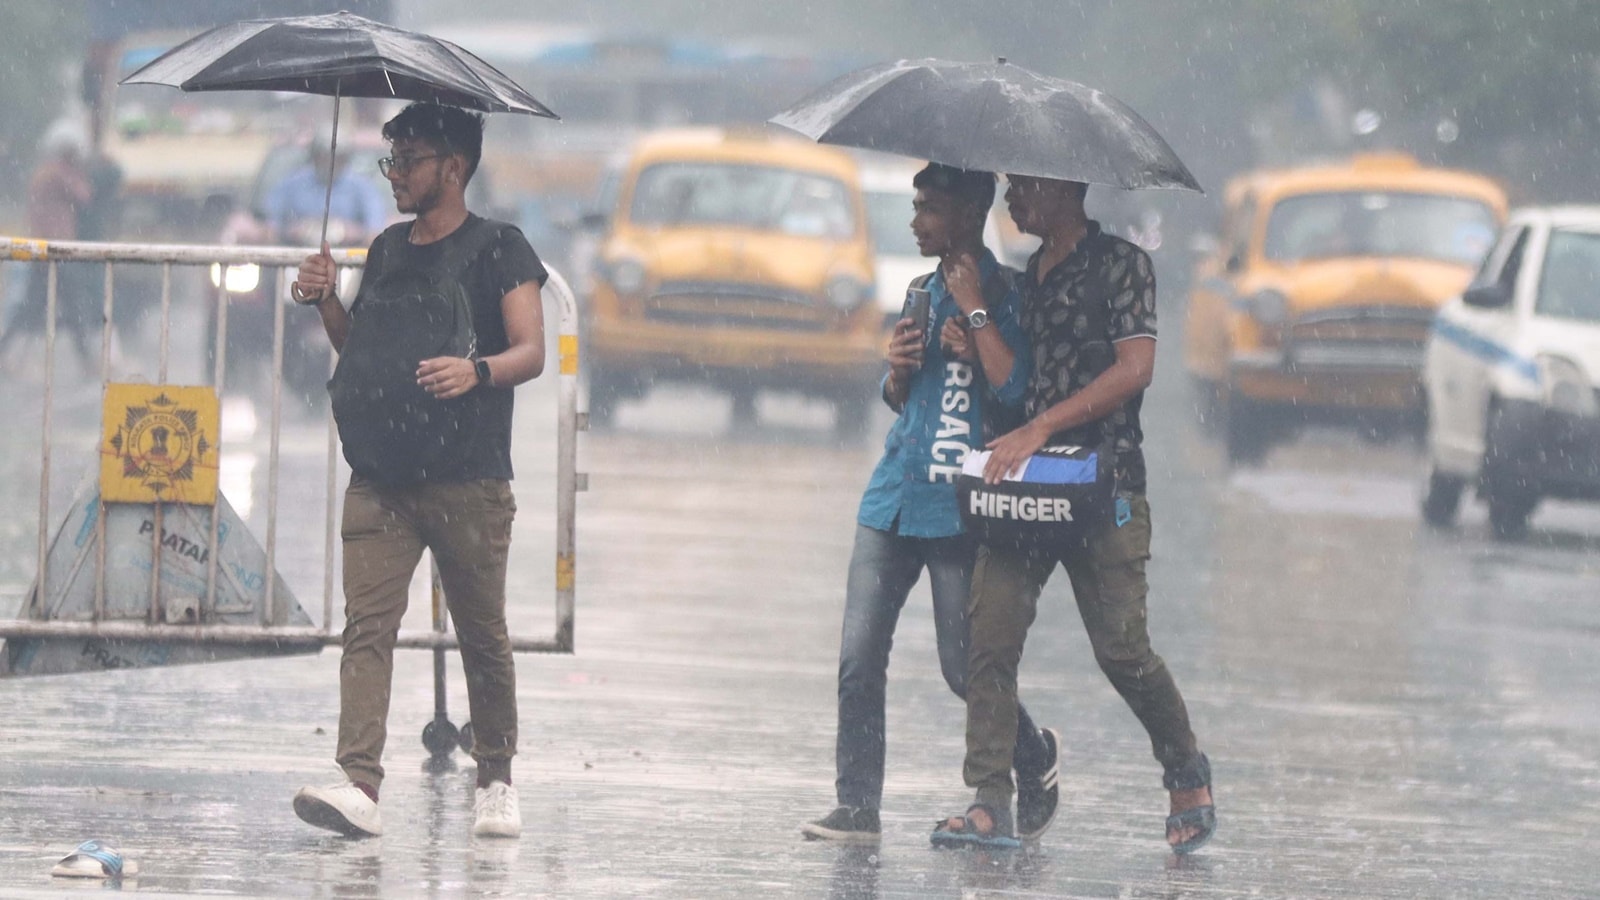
1059,494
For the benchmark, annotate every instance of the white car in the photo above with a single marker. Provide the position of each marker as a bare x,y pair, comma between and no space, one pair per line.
1512,374
886,189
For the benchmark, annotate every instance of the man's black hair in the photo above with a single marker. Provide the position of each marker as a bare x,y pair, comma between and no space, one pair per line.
448,129
965,185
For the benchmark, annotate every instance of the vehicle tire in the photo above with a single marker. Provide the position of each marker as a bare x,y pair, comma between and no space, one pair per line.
1509,512
1209,407
606,393
743,412
1441,497
851,417
1246,431
1510,495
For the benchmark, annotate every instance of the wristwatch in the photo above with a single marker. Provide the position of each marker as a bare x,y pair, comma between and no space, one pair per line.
485,377
978,318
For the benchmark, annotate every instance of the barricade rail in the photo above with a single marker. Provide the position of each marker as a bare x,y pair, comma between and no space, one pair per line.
273,630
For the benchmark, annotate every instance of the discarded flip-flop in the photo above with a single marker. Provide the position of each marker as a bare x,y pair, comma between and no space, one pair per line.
95,859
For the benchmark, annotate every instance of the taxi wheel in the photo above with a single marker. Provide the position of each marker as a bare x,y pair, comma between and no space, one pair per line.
602,407
744,405
852,416
1210,406
1246,431
606,392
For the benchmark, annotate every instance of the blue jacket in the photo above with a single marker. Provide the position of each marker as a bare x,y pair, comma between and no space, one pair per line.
943,418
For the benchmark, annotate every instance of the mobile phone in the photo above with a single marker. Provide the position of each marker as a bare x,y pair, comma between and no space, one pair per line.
917,308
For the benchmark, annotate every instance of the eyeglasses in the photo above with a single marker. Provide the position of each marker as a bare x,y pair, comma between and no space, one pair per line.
402,164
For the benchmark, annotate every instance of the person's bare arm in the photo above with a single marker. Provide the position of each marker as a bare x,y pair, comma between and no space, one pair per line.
1131,373
966,287
315,284
450,376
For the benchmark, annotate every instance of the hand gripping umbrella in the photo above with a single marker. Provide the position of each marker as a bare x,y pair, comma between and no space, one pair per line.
341,55
996,117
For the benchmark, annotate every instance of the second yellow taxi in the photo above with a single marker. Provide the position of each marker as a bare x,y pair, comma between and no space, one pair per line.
1317,301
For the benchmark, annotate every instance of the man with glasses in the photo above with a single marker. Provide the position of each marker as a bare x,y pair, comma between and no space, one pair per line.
461,507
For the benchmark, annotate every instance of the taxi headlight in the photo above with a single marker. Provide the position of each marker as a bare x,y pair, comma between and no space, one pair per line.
241,279
1269,307
1566,387
847,293
627,276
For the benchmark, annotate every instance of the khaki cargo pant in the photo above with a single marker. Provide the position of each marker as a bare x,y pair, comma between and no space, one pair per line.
1108,582
467,526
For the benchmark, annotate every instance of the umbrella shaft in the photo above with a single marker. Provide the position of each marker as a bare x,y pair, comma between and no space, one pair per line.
333,167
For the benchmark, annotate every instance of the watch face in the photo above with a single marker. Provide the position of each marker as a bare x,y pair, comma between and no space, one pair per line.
978,319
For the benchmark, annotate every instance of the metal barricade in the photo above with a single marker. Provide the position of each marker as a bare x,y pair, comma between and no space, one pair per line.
273,630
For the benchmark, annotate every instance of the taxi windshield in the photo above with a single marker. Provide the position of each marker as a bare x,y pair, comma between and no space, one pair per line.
1377,223
764,198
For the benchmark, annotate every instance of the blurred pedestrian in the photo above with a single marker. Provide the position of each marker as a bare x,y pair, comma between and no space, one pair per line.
1090,316
295,203
946,392
458,504
59,190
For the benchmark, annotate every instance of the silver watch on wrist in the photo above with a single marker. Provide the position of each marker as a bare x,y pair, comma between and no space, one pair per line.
978,318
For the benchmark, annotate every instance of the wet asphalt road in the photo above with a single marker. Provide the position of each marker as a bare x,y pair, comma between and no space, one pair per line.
1391,712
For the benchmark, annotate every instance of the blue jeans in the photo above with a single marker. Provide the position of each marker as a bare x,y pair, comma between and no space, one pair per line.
884,566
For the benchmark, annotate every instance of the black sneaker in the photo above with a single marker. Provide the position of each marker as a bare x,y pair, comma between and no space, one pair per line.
1038,797
849,824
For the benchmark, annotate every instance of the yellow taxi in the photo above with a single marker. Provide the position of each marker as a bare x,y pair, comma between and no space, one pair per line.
1317,300
738,259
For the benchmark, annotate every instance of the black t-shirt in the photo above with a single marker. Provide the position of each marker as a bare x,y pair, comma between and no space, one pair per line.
507,262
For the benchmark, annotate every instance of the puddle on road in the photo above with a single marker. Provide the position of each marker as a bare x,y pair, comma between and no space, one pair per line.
1376,496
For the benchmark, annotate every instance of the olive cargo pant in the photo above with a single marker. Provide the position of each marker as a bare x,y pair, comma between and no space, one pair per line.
1108,582
467,526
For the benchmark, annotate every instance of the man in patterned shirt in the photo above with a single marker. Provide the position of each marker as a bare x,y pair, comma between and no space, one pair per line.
1089,310
946,392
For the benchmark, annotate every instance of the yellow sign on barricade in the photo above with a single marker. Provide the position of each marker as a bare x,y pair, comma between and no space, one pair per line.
159,444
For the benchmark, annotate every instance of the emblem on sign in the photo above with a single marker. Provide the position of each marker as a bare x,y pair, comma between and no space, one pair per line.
160,444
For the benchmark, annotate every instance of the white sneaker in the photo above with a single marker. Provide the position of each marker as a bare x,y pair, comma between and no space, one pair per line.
341,807
497,812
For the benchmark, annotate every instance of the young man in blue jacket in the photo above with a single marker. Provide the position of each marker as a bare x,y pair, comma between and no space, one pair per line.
945,383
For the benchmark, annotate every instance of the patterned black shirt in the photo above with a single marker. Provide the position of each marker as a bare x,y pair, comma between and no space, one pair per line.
1104,292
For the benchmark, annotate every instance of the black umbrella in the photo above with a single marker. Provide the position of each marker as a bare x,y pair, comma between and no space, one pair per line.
996,117
340,55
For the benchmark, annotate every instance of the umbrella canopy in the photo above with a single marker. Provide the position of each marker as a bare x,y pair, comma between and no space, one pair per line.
338,55
996,117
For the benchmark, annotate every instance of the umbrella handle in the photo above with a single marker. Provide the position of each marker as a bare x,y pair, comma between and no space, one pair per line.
333,167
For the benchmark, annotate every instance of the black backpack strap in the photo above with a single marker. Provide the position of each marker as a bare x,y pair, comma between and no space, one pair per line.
462,252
